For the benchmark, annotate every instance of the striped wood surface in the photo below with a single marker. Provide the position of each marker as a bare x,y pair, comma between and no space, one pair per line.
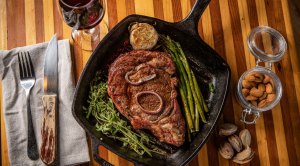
224,26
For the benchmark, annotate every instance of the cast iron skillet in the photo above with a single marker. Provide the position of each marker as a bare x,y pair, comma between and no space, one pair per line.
208,66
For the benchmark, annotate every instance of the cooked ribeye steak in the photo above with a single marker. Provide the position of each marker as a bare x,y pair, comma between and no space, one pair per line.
142,85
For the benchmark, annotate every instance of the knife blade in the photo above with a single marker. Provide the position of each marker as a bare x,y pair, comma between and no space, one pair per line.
49,131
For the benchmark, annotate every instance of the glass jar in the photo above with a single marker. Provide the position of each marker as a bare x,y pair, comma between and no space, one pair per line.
253,88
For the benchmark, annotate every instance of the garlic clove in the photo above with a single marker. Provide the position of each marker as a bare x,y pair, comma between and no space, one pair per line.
235,142
227,129
246,153
244,157
245,137
226,150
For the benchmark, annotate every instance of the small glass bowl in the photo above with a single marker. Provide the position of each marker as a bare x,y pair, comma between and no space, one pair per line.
269,46
248,107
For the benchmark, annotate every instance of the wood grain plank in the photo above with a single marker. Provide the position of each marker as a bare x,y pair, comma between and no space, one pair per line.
253,19
111,10
58,24
105,19
30,22
268,121
270,136
295,58
284,70
48,19
185,8
144,8
103,152
261,135
203,156
230,56
280,136
113,158
158,9
4,148
263,153
246,29
39,21
3,45
215,12
168,11
194,162
177,11
16,23
208,36
3,27
121,9
130,8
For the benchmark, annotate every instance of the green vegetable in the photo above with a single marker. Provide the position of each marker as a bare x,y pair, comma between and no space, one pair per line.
192,99
109,122
211,87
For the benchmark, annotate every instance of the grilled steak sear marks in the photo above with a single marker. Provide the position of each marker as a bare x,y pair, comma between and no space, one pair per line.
142,85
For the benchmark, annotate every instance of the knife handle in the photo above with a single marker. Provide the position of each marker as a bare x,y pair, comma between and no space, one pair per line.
49,129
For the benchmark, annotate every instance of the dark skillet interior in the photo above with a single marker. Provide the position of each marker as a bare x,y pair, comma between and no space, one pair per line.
205,62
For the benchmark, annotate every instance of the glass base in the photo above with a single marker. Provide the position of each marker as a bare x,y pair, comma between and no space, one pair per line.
88,39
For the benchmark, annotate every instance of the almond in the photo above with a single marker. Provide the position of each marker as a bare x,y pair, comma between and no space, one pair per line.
254,103
266,79
269,88
262,103
271,97
248,84
255,92
261,87
245,92
260,76
272,83
263,96
250,77
250,98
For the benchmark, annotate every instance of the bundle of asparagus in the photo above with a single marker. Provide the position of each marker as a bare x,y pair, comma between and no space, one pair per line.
192,99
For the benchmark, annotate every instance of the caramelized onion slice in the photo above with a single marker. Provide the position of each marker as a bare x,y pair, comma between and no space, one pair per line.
152,112
141,80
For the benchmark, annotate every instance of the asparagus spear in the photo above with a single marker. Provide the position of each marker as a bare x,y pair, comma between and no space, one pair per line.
194,97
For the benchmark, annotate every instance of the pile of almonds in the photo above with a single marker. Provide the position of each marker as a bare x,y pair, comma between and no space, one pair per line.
258,89
233,146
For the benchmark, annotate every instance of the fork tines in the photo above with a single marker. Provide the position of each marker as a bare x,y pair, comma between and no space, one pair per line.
25,65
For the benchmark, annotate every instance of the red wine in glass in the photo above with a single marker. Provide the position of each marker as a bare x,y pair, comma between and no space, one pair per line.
82,14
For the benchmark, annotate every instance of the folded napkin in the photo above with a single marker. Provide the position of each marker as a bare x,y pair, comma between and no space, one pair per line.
73,147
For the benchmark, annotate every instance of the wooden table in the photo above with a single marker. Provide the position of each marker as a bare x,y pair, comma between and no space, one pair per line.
224,25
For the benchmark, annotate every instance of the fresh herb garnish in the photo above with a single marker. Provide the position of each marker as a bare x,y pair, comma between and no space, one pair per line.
110,123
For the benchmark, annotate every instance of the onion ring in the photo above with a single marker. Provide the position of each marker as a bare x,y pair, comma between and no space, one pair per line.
141,80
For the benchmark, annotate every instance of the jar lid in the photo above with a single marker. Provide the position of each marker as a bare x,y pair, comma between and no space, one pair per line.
266,44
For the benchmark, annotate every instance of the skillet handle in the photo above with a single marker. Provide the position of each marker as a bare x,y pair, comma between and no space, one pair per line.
190,23
96,155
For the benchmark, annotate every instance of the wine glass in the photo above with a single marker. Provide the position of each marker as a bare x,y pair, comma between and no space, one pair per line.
84,16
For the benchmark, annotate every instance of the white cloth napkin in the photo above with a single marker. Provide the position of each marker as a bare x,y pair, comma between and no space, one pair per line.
73,147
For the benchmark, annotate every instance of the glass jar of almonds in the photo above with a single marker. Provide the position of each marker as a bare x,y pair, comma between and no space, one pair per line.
259,89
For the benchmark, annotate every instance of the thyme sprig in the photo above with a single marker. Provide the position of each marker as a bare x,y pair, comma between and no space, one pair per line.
110,123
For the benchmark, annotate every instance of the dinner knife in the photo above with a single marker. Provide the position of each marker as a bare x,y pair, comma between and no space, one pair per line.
49,131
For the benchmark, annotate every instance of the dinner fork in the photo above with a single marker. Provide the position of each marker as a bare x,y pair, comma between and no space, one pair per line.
27,80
